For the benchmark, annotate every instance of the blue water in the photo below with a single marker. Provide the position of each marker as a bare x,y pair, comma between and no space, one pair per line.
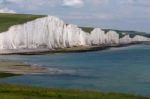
124,70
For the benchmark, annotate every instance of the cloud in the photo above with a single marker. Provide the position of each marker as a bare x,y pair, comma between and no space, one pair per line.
73,3
6,10
28,4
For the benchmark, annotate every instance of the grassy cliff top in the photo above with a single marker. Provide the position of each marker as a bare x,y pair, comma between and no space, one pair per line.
7,20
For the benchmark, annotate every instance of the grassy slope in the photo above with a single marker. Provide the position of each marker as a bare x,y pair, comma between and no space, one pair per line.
87,29
26,92
7,20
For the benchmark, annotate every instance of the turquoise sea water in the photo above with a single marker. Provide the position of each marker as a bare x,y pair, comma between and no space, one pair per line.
124,70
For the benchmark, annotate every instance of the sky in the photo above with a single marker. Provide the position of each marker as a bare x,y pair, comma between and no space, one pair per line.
112,14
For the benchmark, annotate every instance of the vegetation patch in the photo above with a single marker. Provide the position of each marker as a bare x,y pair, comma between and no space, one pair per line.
87,29
8,91
4,75
7,20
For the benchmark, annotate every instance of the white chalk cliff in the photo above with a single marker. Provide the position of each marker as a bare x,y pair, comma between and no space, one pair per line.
127,39
51,32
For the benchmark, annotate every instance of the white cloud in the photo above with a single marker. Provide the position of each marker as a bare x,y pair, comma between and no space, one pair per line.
6,10
30,4
73,3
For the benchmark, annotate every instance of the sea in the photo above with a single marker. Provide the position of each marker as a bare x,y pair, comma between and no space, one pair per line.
122,69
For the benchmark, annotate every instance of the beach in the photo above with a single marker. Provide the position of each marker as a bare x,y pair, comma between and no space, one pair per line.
20,68
75,49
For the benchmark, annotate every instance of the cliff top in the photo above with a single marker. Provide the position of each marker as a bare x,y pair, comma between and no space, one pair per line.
7,20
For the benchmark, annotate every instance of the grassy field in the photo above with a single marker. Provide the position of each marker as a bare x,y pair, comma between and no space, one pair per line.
4,75
26,92
87,29
7,20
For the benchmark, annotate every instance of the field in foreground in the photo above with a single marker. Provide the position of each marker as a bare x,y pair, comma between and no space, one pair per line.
26,92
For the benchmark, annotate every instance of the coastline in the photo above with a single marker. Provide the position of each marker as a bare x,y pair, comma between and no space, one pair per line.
78,49
26,64
17,68
20,68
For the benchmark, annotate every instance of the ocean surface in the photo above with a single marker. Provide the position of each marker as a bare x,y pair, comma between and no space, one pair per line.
124,70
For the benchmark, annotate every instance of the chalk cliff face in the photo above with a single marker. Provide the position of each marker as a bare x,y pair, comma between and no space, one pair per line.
127,39
139,38
99,37
51,32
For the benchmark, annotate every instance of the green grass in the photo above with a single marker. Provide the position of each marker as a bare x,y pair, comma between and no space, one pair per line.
87,29
8,91
7,20
4,75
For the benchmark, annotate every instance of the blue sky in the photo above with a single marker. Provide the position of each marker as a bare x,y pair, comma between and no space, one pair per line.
115,14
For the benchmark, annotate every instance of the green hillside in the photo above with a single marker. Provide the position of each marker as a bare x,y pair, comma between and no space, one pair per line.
7,20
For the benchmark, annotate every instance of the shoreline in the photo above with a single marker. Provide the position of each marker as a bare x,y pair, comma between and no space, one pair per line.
20,68
79,49
14,67
19,64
